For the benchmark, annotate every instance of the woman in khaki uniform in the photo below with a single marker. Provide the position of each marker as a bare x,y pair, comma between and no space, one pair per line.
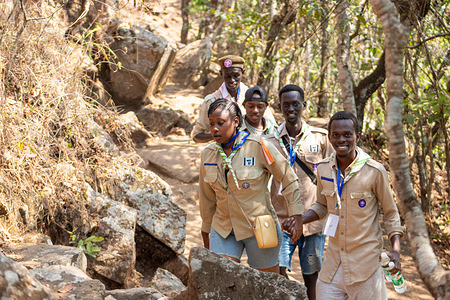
234,174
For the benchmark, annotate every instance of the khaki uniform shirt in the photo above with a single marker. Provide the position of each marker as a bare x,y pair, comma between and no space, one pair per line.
314,147
357,243
202,123
269,127
219,194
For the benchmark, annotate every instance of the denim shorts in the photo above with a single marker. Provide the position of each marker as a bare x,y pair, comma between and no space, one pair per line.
257,258
310,251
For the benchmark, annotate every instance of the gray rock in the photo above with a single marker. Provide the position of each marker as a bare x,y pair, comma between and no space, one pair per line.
102,138
116,225
139,51
178,266
134,294
137,130
163,119
167,283
215,277
43,255
190,64
70,283
157,213
16,282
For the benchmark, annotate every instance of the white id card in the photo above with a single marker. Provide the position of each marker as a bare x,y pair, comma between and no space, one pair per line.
331,225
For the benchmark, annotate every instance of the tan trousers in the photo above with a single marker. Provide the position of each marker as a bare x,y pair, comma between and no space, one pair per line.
373,288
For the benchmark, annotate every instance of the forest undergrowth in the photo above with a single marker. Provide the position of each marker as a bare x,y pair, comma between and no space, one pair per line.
49,133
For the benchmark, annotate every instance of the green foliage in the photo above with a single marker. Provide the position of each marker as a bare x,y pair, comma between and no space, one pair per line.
86,245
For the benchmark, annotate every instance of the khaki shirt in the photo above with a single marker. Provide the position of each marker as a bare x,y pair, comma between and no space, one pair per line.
357,243
219,208
314,147
269,127
202,123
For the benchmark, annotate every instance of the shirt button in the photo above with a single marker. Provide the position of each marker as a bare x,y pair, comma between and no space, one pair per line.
342,233
342,217
342,249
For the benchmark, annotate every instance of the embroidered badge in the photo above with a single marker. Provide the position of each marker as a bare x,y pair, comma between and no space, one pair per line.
314,148
246,185
362,203
249,161
227,63
315,167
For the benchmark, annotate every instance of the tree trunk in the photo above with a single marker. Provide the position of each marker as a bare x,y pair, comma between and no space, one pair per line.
434,276
185,19
342,57
322,104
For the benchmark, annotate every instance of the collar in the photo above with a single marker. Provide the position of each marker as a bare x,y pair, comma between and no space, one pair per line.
225,94
361,158
282,131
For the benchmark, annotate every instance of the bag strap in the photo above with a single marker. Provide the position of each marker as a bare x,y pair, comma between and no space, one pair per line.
300,163
245,215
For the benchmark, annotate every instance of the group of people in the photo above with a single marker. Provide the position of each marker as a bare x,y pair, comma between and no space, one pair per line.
313,183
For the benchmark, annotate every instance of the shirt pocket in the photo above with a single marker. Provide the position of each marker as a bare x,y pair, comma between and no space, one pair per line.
312,160
362,203
248,177
211,175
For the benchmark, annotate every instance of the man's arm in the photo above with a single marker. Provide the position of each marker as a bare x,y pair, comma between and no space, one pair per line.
202,137
394,254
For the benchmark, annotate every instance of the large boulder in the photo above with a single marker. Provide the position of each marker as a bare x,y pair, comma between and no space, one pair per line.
139,51
191,62
164,119
16,282
116,224
178,266
167,283
152,198
138,133
215,277
43,255
70,282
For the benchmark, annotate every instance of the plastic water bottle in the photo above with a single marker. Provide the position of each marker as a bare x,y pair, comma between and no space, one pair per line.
385,265
398,280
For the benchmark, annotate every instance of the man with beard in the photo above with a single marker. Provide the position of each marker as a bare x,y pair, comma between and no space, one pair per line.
232,70
303,146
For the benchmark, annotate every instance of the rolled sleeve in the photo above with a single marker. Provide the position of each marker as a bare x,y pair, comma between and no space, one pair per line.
391,216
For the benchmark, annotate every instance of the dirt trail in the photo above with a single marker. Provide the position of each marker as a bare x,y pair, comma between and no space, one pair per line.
176,159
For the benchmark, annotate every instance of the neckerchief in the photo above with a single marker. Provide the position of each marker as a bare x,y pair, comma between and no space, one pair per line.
356,166
240,138
222,92
306,129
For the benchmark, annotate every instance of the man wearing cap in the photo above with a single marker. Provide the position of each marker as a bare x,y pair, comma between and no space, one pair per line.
255,104
232,71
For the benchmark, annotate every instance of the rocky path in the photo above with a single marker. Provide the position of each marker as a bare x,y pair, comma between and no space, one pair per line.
176,159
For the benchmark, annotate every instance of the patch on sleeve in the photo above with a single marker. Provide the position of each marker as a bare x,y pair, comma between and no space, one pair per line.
327,179
267,155
249,161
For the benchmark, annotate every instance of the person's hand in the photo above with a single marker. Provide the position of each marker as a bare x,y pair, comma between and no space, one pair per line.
205,237
395,258
294,226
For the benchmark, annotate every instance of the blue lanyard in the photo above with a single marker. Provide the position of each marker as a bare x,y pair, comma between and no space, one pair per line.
240,143
292,153
340,184
237,95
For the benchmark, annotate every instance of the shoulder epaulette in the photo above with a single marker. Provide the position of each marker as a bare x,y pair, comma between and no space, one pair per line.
373,163
321,130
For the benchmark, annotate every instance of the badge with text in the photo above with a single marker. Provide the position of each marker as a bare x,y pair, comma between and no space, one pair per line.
331,225
314,148
249,161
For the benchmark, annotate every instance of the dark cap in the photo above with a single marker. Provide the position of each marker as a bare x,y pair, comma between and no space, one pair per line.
256,90
231,61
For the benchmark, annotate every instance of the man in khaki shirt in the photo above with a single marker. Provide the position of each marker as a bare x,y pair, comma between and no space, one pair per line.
350,188
232,71
310,145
